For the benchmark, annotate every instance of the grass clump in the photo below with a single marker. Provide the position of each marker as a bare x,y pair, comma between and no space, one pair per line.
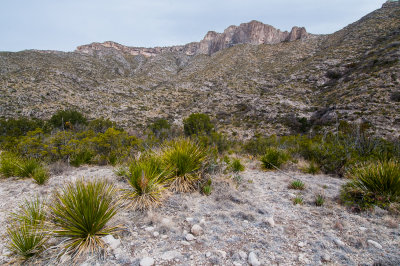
9,164
319,200
310,168
298,200
185,158
297,184
274,158
374,183
236,165
145,178
81,213
27,235
207,188
41,175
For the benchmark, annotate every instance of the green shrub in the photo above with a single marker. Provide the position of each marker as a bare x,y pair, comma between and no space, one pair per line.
67,119
82,157
298,200
197,124
185,158
297,184
27,167
20,126
31,212
81,212
41,175
311,168
160,128
381,179
9,163
146,180
274,158
236,165
101,125
207,188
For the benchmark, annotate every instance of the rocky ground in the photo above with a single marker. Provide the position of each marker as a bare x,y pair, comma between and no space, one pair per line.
253,222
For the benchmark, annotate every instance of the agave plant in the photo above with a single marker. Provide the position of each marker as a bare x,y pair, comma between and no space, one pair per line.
146,184
185,157
274,158
81,213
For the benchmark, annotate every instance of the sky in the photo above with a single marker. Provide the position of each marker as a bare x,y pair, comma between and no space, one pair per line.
65,24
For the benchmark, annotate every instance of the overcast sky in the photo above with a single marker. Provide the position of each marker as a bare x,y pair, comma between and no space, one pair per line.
65,24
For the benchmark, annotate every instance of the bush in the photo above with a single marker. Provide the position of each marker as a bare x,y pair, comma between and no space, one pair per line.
101,125
185,158
197,124
67,119
9,164
160,128
319,200
236,165
379,179
27,167
40,175
145,178
81,213
311,168
274,158
207,188
298,200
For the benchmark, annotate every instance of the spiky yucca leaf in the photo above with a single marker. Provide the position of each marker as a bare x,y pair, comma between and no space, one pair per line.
9,164
27,167
31,212
81,212
380,178
185,157
146,181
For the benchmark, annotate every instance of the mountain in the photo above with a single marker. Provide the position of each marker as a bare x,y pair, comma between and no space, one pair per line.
254,32
250,78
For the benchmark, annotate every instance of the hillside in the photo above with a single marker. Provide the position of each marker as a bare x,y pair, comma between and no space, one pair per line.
348,75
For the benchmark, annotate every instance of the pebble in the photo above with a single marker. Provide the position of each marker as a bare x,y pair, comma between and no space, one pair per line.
243,255
253,260
222,253
170,255
235,263
111,241
362,228
374,243
301,244
190,237
189,219
270,221
147,261
325,258
338,242
208,254
185,243
149,229
196,230
156,234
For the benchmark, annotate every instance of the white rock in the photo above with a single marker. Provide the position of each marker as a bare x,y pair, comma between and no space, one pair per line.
190,237
362,228
156,234
111,241
243,255
196,230
235,263
375,244
301,244
270,221
208,254
147,261
189,219
164,236
185,243
202,221
338,242
222,253
302,258
149,229
170,255
325,258
253,260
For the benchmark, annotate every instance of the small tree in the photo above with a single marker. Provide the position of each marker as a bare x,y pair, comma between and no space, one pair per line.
197,124
67,119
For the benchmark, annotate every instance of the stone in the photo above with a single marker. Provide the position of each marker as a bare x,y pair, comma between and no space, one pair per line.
253,260
196,230
235,263
243,255
189,237
270,221
146,261
338,242
111,241
156,234
325,258
222,253
149,229
189,219
301,244
170,255
208,254
374,243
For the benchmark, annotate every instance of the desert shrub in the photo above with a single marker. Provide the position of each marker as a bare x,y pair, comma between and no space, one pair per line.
100,125
185,158
67,119
215,140
81,157
274,157
197,124
236,165
319,200
381,179
41,175
311,168
81,213
297,184
9,163
160,128
19,127
26,236
258,145
26,167
145,178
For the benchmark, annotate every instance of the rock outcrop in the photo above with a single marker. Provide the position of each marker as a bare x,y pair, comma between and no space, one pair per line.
254,32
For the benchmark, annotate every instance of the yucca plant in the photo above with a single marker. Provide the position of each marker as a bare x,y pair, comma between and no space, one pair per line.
185,158
41,175
27,167
381,179
237,165
274,158
146,181
27,235
319,199
81,213
297,184
9,164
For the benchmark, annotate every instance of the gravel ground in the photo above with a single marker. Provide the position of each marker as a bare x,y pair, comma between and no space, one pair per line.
251,223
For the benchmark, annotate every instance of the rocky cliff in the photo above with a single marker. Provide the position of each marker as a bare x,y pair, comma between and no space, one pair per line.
254,32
